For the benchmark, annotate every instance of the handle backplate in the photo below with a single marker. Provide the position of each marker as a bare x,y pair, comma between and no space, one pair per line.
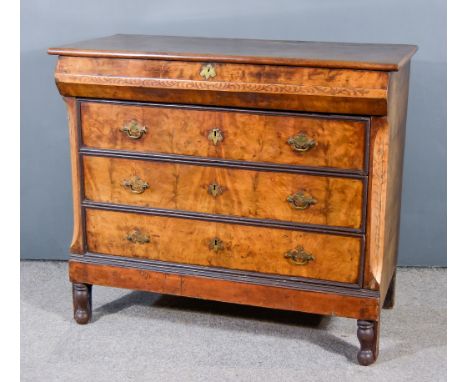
300,200
134,130
301,142
299,256
137,237
135,185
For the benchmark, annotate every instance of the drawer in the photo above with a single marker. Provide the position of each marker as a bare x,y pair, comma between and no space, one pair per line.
213,244
308,199
272,87
287,139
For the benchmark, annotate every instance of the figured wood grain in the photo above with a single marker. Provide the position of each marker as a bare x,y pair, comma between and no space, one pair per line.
387,148
178,239
226,291
244,193
268,87
302,53
247,136
77,242
337,258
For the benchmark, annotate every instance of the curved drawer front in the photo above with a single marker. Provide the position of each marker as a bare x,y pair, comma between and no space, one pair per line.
273,87
312,255
312,141
307,199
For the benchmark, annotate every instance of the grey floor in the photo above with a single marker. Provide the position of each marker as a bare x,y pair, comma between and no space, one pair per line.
137,336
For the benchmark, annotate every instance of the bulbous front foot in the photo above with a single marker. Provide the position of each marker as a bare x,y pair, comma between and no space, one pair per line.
367,334
82,304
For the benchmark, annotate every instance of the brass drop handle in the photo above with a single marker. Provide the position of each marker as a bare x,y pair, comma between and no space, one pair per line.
301,142
137,237
215,135
134,130
301,200
135,185
215,189
298,256
216,244
208,71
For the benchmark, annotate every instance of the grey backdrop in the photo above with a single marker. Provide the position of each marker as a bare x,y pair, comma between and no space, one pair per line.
46,212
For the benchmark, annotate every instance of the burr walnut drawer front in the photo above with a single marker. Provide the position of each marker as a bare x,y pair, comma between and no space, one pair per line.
308,199
287,139
259,249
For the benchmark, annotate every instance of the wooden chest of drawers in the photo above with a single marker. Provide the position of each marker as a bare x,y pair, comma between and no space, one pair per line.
256,172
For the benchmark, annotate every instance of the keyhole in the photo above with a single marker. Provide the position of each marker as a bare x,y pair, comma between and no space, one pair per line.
216,244
215,189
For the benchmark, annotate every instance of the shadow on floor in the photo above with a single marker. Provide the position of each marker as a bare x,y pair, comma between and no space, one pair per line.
257,320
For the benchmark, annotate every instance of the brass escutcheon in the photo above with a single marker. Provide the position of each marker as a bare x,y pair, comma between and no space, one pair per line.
135,185
301,200
215,135
134,130
208,71
301,142
215,189
298,256
137,237
216,244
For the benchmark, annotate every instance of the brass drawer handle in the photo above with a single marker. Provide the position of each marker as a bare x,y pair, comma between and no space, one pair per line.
301,200
215,135
215,189
137,237
134,130
298,256
135,185
208,71
216,244
301,142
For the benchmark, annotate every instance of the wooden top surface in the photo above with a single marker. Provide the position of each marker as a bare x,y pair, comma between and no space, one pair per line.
386,57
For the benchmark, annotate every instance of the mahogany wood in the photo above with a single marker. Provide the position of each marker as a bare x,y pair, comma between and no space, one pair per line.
227,291
269,87
340,142
82,302
76,245
386,158
198,204
387,57
336,258
368,335
264,195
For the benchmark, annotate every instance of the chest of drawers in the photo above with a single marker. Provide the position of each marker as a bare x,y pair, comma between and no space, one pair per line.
265,173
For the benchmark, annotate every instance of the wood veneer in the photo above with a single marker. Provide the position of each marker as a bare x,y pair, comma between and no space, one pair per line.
340,142
382,57
245,248
255,194
307,89
175,237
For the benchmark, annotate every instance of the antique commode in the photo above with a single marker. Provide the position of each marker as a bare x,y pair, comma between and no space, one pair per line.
256,172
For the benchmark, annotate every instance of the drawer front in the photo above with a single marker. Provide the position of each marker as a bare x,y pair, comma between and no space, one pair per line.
273,87
338,143
308,199
265,250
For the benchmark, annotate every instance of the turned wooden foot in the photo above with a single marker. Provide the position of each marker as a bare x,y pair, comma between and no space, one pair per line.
82,306
368,335
389,301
